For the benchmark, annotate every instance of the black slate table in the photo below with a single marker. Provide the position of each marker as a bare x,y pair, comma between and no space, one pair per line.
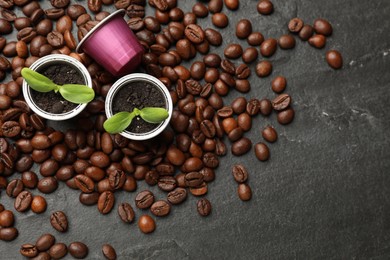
324,194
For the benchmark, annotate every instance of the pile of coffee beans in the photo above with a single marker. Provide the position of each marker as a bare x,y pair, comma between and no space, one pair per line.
183,159
46,247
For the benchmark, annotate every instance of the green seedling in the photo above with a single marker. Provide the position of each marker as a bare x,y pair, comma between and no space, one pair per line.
74,93
120,121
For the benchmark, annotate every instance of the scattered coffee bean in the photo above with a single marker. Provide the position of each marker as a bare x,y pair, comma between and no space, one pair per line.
204,207
264,68
244,192
6,218
45,242
334,59
318,41
146,224
78,250
126,213
144,199
306,32
265,7
322,26
261,151
295,25
109,252
281,102
286,116
160,208
220,20
106,202
23,201
58,251
38,204
28,250
278,84
59,221
240,173
243,28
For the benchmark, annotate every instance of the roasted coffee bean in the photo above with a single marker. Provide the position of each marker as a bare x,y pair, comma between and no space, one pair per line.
54,13
44,242
264,68
244,121
9,49
286,116
200,10
278,84
59,221
265,107
109,252
204,207
7,3
28,250
212,60
255,39
286,41
94,5
239,105
334,59
306,32
215,6
207,128
269,134
281,102
37,16
194,33
59,3
6,218
55,39
135,10
89,199
244,192
8,234
11,129
126,213
47,185
100,159
213,37
265,7
176,14
145,223
78,250
233,51
84,183
8,15
161,5
49,168
75,10
198,70
5,26
318,41
14,188
225,112
106,202
58,251
240,173
21,23
167,183
144,199
188,18
268,47
261,151
160,208
322,26
241,147
220,20
116,179
193,179
243,71
152,24
23,201
249,55
295,25
252,107
232,4
177,196
243,28
38,204
30,179
210,160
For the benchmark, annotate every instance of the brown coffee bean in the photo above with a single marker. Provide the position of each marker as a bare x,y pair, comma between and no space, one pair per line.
167,183
220,20
215,6
334,59
262,151
249,55
58,251
55,39
47,185
281,102
212,60
322,26
160,208
145,223
244,122
106,202
14,188
213,37
243,71
177,196
6,218
243,28
240,173
37,16
44,242
134,10
23,201
244,192
59,221
295,25
233,51
204,207
38,204
255,39
232,4
28,250
126,213
198,70
116,179
109,252
84,183
318,41
8,15
241,147
265,7
78,250
278,84
8,234
268,47
306,32
264,68
269,134
94,5
286,41
5,26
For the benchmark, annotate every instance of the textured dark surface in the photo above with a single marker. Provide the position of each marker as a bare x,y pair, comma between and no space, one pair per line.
325,192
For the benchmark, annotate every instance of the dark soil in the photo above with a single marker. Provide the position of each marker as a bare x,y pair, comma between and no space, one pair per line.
138,94
60,74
